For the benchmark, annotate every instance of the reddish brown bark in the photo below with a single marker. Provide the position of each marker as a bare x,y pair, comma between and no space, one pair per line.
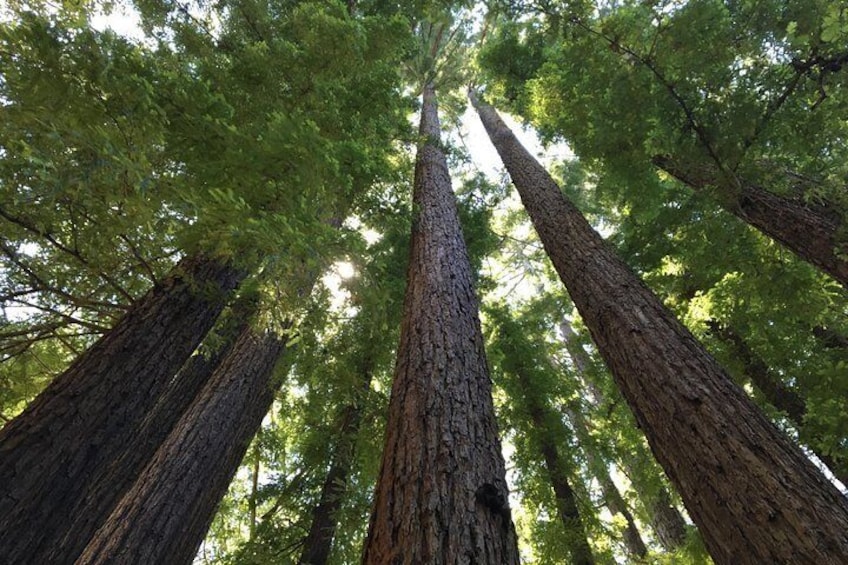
776,393
810,231
441,497
105,488
164,516
89,416
754,495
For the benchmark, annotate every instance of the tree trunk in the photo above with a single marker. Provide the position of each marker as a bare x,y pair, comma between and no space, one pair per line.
441,497
319,541
576,538
164,516
612,497
90,414
754,495
104,489
810,231
775,391
666,521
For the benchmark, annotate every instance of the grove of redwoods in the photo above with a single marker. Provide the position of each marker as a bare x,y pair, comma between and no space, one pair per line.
181,379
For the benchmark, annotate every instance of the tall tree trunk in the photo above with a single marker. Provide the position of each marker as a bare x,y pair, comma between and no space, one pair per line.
104,489
89,415
810,231
666,521
577,540
612,497
164,516
775,391
754,495
441,495
319,540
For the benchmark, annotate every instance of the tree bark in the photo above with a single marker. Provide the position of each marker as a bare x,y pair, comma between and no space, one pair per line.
105,488
810,231
89,415
441,496
319,540
754,495
666,521
164,516
776,393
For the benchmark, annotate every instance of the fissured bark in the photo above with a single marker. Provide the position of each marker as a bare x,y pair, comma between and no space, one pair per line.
89,415
754,495
441,497
164,516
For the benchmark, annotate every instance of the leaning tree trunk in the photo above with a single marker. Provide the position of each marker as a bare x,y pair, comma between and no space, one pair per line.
319,540
441,496
666,521
600,470
811,231
164,516
105,489
89,415
754,495
788,401
577,539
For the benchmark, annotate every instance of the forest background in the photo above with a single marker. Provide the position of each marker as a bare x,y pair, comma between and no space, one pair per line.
277,135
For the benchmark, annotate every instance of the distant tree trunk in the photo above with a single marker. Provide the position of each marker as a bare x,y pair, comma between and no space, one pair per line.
666,521
612,497
106,487
319,541
810,231
754,495
775,392
164,516
557,467
90,415
441,497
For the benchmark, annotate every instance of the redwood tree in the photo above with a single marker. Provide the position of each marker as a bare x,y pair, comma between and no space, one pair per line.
90,414
441,496
754,495
166,513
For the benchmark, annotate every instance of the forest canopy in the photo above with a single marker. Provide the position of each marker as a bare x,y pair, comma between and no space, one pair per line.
261,301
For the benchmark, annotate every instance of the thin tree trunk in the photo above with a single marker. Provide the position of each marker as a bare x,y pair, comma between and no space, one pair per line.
577,539
254,492
105,488
164,516
810,231
319,541
612,497
441,497
754,495
666,521
89,415
775,391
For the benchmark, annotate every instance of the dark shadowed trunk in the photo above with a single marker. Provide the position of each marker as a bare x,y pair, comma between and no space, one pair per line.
164,516
90,414
666,521
106,487
441,497
754,495
809,230
319,540
600,470
775,392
